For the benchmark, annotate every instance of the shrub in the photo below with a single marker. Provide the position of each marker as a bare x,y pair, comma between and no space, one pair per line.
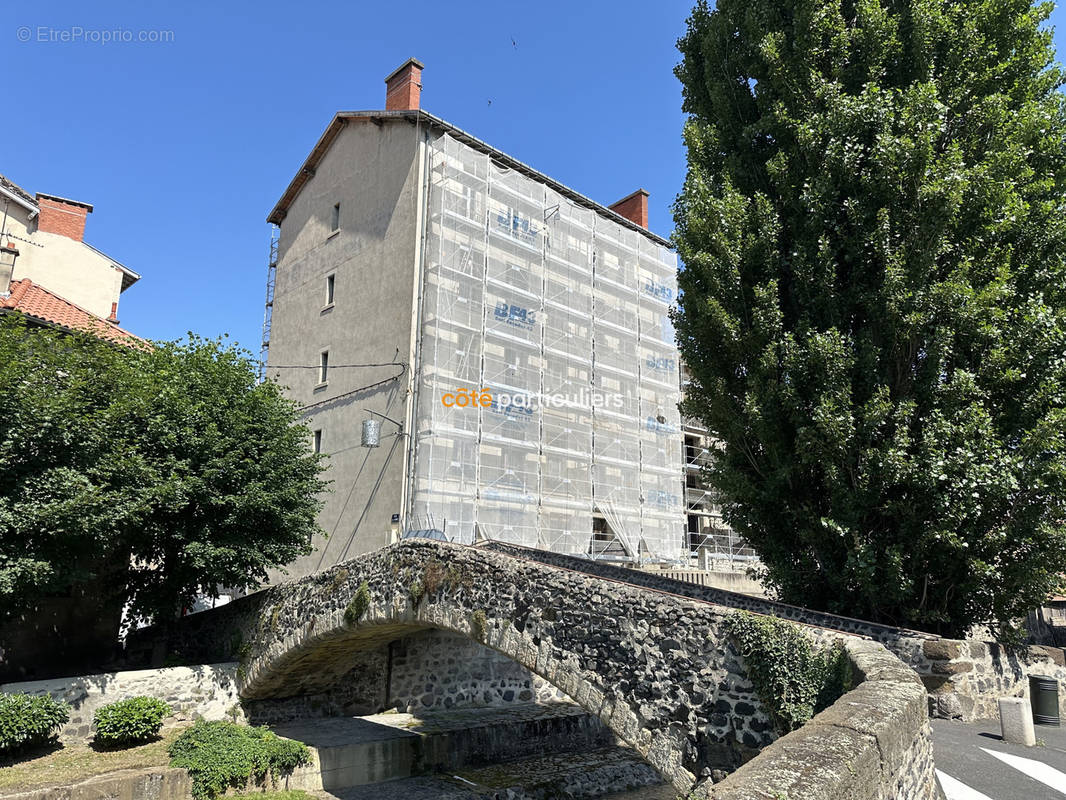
793,678
220,755
417,591
359,604
29,720
137,719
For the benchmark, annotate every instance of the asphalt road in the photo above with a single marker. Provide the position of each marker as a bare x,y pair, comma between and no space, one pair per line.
974,763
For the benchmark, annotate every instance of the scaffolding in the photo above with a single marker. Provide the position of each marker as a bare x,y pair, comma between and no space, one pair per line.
709,539
268,310
562,316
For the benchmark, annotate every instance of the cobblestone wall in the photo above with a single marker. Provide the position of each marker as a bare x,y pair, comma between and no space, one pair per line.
438,670
709,594
963,678
208,691
874,743
659,671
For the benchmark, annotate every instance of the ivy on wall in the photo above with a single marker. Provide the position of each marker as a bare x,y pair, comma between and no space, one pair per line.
793,678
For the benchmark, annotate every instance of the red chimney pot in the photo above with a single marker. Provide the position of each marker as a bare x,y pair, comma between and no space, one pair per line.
403,88
633,207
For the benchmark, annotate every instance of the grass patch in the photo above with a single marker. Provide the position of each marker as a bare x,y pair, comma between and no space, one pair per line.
70,763
286,794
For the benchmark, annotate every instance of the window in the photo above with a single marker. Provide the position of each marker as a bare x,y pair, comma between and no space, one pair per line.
323,366
331,281
318,441
335,218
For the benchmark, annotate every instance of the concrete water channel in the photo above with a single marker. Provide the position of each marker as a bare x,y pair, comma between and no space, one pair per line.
530,750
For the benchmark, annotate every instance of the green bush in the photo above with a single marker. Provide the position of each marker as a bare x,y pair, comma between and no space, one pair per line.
127,722
29,720
220,755
793,678
359,604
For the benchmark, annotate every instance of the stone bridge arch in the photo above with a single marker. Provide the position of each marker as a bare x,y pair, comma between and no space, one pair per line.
655,668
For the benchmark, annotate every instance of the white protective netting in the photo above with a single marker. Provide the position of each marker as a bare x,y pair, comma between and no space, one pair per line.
561,315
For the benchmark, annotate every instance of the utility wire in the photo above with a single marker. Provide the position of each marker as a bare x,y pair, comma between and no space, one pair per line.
336,366
397,376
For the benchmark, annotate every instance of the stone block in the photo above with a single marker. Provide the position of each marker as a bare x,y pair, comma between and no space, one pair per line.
890,712
938,684
1016,720
941,649
816,762
1053,654
952,667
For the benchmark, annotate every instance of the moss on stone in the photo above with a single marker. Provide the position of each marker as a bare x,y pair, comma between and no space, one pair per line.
340,577
433,576
480,623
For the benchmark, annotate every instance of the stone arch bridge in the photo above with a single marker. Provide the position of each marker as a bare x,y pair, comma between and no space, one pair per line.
657,668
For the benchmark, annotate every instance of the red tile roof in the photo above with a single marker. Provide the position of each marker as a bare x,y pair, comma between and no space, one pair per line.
38,303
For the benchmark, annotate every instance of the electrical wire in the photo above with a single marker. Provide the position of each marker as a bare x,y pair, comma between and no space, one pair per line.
335,366
397,376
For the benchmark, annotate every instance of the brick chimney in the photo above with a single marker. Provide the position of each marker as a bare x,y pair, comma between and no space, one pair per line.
403,88
633,207
62,216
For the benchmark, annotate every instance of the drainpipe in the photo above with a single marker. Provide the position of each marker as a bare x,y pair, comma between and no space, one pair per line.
407,493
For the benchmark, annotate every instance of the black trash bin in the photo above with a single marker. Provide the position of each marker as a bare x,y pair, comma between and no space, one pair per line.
1044,697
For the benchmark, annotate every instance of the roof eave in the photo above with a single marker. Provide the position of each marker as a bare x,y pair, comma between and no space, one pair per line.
341,118
129,277
33,209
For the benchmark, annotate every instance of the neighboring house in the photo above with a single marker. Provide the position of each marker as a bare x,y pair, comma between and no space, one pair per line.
47,234
50,273
416,263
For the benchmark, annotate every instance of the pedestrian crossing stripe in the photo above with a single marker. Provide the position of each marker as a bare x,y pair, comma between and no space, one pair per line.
957,790
1037,770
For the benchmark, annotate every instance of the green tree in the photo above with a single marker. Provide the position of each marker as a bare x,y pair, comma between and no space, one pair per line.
138,478
873,228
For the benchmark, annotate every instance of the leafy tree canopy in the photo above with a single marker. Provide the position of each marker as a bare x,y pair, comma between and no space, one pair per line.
873,228
153,475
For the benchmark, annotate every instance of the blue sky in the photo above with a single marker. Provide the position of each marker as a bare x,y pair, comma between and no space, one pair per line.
184,146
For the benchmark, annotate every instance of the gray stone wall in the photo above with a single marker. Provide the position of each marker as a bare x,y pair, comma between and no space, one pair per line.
658,670
208,691
660,582
438,670
874,743
963,678
149,783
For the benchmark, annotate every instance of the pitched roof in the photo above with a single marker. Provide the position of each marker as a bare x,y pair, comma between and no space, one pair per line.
42,305
20,194
417,116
